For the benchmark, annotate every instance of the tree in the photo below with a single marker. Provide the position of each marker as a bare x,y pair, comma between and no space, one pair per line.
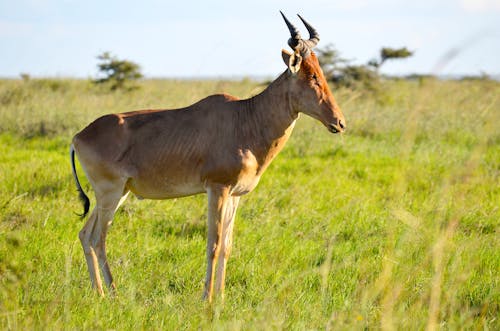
117,73
331,61
387,53
341,72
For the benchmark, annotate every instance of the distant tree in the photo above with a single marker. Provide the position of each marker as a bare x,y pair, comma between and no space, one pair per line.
330,60
387,53
341,72
355,76
117,73
25,76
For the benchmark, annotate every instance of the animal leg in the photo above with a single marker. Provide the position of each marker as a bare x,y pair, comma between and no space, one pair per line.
226,244
107,204
93,234
218,196
101,254
90,255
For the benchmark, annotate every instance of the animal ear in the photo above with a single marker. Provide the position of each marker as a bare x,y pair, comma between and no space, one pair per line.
292,60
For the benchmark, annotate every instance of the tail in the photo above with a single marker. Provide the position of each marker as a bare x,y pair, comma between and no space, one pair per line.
83,197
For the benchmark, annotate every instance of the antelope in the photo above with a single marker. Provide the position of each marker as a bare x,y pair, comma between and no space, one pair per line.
220,146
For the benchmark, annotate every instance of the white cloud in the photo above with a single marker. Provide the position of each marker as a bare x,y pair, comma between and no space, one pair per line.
480,5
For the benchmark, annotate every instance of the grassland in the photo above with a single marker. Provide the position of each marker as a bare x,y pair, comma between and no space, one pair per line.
394,225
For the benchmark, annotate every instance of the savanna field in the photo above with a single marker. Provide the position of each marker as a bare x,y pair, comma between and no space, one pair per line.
392,225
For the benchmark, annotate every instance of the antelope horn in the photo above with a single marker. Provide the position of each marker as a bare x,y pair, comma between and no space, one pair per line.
295,39
313,34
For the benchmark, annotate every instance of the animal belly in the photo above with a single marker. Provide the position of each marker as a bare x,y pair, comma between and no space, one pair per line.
164,188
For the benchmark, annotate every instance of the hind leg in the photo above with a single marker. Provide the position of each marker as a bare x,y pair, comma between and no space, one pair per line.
93,234
90,254
101,253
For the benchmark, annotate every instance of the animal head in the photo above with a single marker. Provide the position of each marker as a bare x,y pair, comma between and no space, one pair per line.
309,90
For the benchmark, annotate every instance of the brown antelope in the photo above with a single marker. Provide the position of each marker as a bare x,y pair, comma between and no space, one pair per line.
220,145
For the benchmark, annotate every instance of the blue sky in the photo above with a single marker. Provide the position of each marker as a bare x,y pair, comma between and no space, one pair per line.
224,38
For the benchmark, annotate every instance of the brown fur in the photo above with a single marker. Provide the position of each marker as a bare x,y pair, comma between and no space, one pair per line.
220,145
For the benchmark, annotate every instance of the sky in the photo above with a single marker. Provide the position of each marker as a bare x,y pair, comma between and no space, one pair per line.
230,38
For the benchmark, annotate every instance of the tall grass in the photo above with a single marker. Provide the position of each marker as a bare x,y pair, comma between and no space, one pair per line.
394,225
50,107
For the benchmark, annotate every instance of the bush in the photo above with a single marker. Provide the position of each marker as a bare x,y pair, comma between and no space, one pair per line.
357,76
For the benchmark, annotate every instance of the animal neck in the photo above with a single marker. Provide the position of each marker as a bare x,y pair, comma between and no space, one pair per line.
272,107
271,119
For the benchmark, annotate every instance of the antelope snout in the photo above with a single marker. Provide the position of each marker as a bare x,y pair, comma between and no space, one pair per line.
337,126
342,124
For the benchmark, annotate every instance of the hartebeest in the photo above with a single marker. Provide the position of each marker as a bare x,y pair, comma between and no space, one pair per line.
220,145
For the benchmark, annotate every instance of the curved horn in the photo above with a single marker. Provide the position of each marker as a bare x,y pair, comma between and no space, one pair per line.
313,34
294,41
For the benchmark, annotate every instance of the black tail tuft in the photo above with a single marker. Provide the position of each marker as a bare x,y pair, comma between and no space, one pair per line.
86,203
81,194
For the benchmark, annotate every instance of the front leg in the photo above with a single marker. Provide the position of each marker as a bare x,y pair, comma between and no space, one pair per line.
218,196
226,244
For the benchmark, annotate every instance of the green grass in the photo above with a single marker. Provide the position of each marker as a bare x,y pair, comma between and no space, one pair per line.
394,225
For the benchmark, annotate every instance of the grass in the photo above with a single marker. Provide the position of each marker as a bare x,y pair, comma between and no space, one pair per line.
394,225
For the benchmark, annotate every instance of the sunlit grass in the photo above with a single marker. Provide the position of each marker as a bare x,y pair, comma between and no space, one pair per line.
393,225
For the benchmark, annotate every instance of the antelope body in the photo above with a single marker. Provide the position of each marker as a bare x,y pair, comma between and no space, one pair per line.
220,146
